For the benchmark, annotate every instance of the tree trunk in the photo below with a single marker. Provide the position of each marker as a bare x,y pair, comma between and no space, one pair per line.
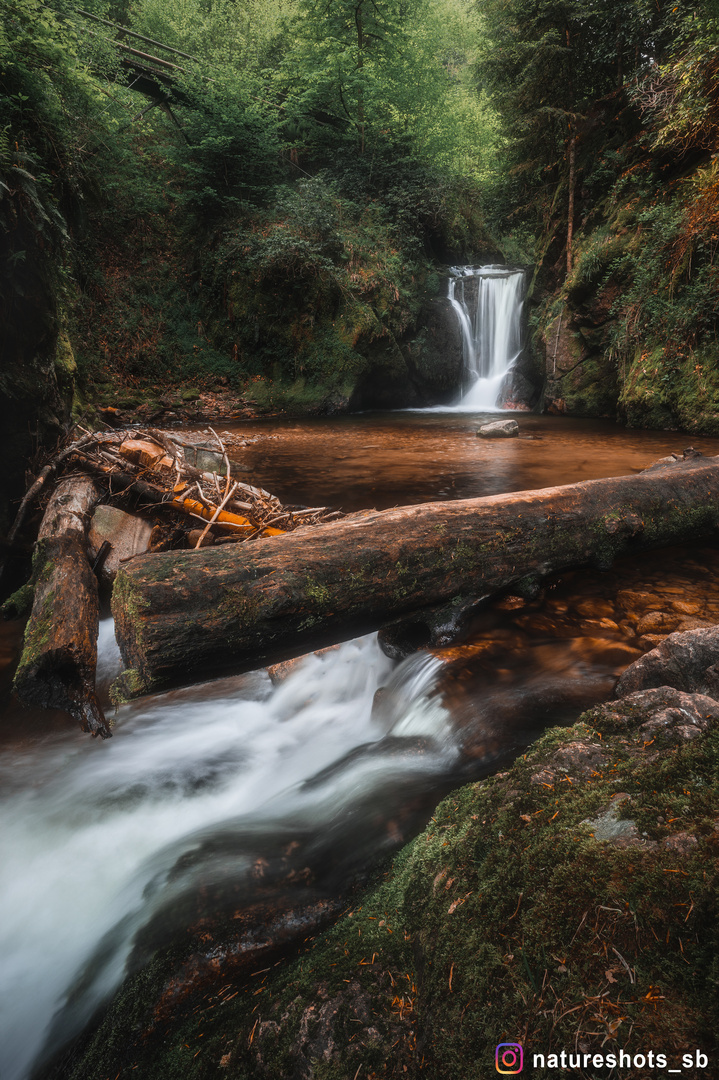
57,667
571,183
186,615
360,65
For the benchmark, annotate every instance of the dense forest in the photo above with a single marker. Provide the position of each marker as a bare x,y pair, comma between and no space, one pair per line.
261,198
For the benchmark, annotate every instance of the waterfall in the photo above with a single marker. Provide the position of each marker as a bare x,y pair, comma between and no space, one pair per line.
488,301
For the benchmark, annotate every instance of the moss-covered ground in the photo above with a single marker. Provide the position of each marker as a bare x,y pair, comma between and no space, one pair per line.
569,903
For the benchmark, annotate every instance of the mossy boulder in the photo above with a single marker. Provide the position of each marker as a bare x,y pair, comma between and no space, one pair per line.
581,378
665,390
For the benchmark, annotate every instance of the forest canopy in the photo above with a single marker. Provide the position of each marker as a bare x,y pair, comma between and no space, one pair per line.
264,191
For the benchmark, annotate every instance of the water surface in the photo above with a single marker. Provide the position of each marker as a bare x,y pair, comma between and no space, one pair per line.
397,459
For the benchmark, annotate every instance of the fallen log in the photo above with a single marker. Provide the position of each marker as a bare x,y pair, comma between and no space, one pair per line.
57,666
34,489
185,615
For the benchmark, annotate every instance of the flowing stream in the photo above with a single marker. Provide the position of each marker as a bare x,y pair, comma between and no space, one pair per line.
488,303
315,777
96,837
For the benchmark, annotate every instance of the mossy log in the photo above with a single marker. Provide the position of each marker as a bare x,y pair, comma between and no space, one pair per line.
57,666
183,615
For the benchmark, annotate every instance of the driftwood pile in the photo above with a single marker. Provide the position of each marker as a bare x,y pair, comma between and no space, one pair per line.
154,467
189,507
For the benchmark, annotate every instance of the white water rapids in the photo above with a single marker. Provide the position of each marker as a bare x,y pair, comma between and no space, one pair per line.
93,832
491,328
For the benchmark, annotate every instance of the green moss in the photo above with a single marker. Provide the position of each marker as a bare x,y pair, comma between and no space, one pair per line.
65,364
128,685
39,625
237,606
37,635
317,592
19,605
128,603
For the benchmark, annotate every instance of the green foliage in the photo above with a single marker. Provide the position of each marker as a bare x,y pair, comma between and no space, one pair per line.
561,75
324,160
231,156
311,290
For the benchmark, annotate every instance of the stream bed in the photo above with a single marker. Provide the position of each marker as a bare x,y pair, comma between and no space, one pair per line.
295,782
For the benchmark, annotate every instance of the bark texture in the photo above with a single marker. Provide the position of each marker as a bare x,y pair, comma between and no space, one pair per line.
57,667
184,615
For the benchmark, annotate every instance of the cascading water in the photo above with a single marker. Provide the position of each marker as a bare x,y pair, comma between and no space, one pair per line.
100,839
491,325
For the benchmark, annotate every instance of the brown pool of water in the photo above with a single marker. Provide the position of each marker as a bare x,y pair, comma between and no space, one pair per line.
397,459
533,663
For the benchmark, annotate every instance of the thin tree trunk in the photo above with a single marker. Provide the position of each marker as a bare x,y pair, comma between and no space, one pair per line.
360,65
572,182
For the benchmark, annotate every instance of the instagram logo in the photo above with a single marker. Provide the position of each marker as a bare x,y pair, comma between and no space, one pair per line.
509,1058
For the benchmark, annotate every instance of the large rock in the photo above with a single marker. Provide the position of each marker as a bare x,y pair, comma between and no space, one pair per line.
499,429
518,392
127,535
686,660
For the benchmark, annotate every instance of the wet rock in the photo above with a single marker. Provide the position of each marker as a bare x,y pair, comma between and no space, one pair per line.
640,602
127,535
518,392
693,624
499,429
657,622
682,843
205,460
675,459
670,712
685,660
685,608
595,608
647,642
617,653
600,627
609,827
578,759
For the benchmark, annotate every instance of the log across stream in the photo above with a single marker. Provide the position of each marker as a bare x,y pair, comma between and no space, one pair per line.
184,615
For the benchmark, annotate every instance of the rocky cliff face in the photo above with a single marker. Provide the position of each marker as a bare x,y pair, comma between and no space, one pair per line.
581,379
632,331
37,385
423,368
